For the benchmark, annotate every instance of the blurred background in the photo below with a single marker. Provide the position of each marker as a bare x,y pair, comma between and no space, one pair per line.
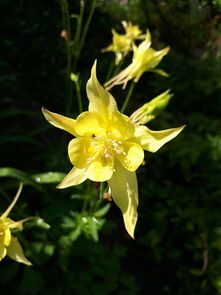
177,246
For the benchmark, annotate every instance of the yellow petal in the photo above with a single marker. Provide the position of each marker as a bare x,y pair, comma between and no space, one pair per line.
83,150
74,177
124,191
100,100
60,121
7,237
8,210
152,141
132,157
15,252
100,170
120,126
3,251
89,123
15,224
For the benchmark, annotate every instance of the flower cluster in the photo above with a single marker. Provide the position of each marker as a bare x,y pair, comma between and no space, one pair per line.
122,43
108,146
145,58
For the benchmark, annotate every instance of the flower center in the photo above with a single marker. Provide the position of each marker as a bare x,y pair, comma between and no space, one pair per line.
107,147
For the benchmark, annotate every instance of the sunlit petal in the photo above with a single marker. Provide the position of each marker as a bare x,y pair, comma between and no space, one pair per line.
152,141
74,177
120,126
8,210
132,156
100,170
15,252
60,121
100,100
6,236
124,192
82,151
3,251
89,123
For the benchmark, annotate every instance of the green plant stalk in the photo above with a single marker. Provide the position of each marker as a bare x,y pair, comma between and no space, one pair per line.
101,190
78,91
67,28
110,69
78,28
84,32
129,94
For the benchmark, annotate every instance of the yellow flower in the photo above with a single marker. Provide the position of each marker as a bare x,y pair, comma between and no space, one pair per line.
122,43
132,31
145,59
10,245
108,147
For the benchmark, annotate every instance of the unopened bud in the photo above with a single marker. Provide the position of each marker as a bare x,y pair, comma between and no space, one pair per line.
150,110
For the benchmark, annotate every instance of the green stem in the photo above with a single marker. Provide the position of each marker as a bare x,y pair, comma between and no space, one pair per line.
67,28
101,190
81,43
76,42
129,93
110,70
78,91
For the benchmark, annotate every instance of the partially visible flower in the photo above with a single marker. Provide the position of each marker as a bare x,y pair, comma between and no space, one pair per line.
151,109
10,245
145,59
132,31
108,147
122,43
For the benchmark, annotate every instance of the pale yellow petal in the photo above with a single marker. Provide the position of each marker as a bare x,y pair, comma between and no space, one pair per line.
100,100
83,150
3,251
89,123
15,224
7,237
15,252
100,170
132,156
120,126
124,192
60,121
74,177
8,210
152,141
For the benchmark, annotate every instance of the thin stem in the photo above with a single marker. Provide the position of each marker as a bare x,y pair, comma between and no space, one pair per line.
67,28
78,30
129,93
81,43
110,70
78,91
101,190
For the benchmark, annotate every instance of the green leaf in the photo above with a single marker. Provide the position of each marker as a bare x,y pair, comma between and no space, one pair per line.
48,177
101,212
92,225
20,175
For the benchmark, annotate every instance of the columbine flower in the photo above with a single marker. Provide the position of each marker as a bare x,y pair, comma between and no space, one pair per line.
108,147
122,43
145,59
132,31
10,245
